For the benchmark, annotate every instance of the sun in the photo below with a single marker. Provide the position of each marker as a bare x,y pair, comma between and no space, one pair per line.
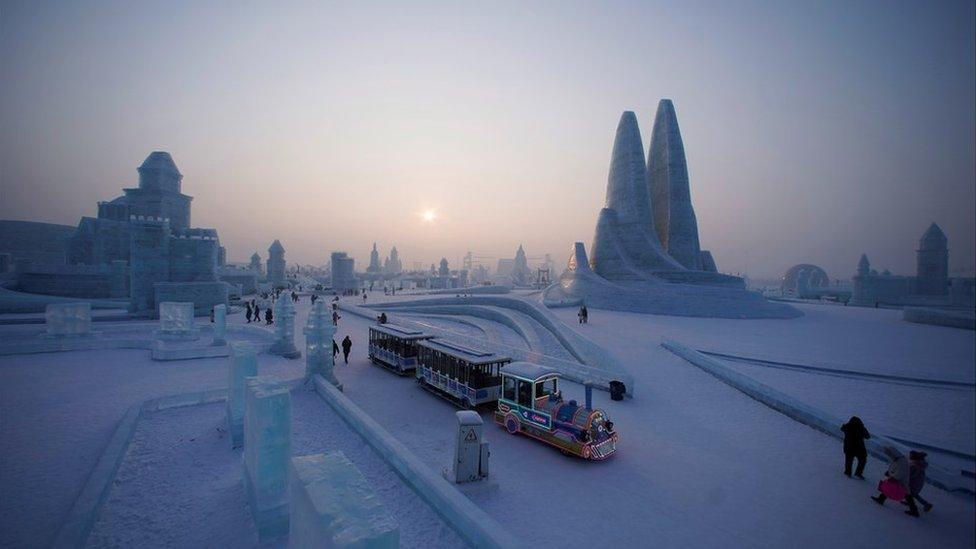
429,216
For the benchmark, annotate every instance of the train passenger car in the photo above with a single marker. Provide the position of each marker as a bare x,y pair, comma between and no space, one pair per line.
394,347
465,376
532,404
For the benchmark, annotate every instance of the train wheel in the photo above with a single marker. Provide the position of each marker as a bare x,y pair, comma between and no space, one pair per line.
586,452
511,425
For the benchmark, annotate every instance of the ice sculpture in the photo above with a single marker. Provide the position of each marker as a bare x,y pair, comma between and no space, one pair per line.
319,332
176,321
667,179
243,363
267,449
220,325
332,505
284,319
68,319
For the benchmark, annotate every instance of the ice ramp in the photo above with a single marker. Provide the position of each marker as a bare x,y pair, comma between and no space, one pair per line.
810,415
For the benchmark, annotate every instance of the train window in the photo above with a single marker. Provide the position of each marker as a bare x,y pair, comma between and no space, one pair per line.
525,393
509,388
545,388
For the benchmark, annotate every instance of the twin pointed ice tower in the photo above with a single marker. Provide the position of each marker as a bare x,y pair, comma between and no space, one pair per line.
646,255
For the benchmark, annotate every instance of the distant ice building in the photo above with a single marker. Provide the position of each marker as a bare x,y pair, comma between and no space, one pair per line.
931,285
804,276
374,267
140,246
255,264
276,264
343,273
646,254
521,274
392,265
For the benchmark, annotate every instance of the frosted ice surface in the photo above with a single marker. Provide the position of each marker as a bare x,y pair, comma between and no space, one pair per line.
68,319
332,505
267,448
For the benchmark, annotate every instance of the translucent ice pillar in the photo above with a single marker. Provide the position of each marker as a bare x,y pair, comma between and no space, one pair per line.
267,449
220,325
284,319
332,505
319,332
243,364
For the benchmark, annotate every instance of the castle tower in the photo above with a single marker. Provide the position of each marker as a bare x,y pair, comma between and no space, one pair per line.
255,264
276,264
444,271
863,266
374,261
159,192
932,273
667,179
393,265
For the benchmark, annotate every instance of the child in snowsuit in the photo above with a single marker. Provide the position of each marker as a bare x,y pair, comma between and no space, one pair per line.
916,479
854,436
897,473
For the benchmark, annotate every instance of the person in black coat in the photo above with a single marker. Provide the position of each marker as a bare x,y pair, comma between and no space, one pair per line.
335,350
346,347
268,316
854,436
247,312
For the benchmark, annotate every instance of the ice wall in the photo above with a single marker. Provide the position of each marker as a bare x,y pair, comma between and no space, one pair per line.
332,505
267,449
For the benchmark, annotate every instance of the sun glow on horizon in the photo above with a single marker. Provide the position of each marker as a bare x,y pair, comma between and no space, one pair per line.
428,216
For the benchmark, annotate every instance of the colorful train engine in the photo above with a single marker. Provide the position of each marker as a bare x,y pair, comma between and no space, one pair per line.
395,347
531,404
462,375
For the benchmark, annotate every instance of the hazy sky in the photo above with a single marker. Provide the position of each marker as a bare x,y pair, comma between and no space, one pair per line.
814,131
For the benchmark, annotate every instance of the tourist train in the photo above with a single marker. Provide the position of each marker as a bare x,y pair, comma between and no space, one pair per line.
394,347
466,377
531,403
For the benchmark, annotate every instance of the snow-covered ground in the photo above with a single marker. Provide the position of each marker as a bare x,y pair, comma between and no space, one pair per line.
698,464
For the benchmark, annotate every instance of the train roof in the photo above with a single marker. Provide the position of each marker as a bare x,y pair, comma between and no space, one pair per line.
400,331
470,355
526,370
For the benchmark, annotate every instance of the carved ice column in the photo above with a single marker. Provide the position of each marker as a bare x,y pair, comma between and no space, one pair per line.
319,332
284,319
220,325
267,450
243,364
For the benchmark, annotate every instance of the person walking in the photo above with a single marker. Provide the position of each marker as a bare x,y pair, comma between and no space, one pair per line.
335,318
257,312
247,311
346,347
854,436
335,351
364,297
895,483
916,479
268,316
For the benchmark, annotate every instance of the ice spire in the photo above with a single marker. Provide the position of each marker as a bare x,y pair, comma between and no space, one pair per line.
667,181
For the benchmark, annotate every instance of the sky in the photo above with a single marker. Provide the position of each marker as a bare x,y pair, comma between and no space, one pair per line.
814,131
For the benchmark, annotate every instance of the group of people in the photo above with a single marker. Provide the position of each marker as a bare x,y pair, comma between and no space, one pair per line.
905,477
253,311
346,349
